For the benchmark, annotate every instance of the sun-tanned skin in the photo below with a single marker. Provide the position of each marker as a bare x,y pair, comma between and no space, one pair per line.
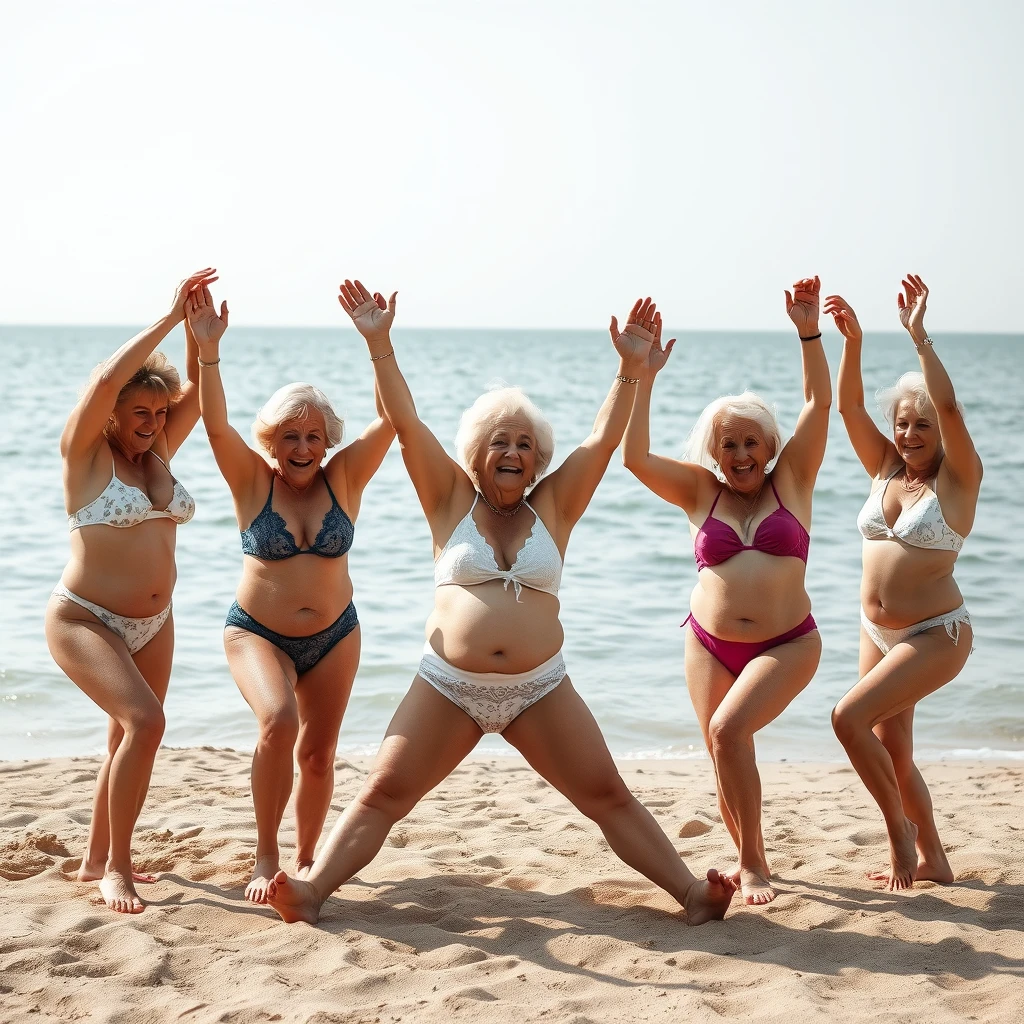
752,596
487,627
129,571
903,585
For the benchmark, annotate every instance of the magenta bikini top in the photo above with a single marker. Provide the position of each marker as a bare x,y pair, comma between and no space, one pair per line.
780,533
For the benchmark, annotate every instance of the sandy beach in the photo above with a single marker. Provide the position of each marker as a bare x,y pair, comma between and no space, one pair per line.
495,897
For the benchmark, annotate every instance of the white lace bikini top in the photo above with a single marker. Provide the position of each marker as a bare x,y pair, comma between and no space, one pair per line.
467,559
921,525
123,505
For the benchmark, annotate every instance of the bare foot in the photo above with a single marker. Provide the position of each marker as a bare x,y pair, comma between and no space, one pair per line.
926,871
903,859
295,899
119,894
303,868
262,875
736,873
757,889
709,900
90,872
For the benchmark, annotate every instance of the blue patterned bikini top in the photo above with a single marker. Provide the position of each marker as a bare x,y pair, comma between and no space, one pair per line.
269,538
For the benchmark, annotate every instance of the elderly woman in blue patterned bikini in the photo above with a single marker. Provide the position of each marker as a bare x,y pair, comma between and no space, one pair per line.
292,636
492,661
915,630
108,622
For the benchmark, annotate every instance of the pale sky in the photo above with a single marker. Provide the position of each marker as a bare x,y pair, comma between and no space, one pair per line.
527,164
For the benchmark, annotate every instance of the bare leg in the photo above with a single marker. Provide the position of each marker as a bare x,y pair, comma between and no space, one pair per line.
97,661
560,739
266,678
910,671
427,738
762,691
322,694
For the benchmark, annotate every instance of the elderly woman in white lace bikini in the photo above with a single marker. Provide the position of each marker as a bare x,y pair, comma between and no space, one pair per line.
493,657
915,630
108,621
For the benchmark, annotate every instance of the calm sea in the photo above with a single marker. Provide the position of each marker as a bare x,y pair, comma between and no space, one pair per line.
629,568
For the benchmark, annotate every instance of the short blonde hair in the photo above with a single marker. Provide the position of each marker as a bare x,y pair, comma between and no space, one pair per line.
487,412
750,406
910,387
294,402
156,375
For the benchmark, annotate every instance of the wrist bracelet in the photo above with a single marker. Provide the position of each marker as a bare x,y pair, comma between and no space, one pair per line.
627,380
924,341
212,362
813,337
374,359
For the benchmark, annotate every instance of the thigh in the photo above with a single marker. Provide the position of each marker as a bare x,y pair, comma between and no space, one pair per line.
154,660
707,681
322,693
562,742
768,684
869,655
97,662
911,670
263,673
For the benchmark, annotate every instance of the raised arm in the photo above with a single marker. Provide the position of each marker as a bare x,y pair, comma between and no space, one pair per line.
873,448
433,472
237,462
805,450
184,415
84,428
961,457
574,482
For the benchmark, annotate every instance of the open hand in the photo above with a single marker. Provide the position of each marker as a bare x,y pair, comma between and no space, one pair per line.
844,316
372,316
207,326
635,341
802,305
202,277
657,356
912,307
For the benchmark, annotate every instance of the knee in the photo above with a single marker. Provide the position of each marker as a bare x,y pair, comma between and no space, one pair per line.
316,761
605,799
386,794
725,735
144,727
846,723
280,728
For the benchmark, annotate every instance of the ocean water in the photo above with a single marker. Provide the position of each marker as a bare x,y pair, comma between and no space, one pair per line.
629,566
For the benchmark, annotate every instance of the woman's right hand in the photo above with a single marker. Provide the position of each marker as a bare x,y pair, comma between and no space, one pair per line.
206,276
846,320
207,326
371,315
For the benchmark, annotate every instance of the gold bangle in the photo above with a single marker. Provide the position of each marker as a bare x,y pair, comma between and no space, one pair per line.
627,380
212,362
374,359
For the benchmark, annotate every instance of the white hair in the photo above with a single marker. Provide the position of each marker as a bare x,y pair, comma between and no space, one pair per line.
295,402
495,405
750,406
910,387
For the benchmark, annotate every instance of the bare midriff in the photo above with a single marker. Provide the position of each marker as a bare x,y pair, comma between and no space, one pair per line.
903,585
483,628
295,596
129,571
751,597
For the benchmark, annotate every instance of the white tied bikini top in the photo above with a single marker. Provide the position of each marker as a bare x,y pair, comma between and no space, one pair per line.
123,505
467,559
921,525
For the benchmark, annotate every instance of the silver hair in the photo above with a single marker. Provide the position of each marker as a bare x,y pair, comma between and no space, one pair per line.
480,420
910,387
294,402
751,406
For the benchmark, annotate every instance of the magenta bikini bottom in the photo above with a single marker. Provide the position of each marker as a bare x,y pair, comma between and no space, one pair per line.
736,654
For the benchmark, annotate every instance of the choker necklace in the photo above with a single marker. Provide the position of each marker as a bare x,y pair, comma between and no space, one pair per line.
504,512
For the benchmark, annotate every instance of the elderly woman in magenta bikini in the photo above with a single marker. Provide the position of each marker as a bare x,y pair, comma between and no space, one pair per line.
108,621
752,645
492,661
915,631
292,636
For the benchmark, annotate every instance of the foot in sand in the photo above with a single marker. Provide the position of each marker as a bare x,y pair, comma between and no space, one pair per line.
262,875
709,900
903,859
297,900
92,871
303,868
756,885
119,894
929,869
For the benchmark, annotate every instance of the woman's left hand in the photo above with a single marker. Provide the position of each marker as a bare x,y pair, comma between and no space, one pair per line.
643,325
207,326
802,305
844,316
912,307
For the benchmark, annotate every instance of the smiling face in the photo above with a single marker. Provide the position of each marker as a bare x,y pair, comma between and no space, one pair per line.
299,447
916,435
507,460
742,451
137,420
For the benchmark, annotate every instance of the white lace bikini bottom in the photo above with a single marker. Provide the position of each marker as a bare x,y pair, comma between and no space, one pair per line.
491,699
135,633
885,639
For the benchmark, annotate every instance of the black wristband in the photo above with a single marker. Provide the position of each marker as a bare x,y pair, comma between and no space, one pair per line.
813,337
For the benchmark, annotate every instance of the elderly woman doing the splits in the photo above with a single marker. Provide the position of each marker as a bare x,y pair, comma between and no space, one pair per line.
915,631
752,645
108,621
492,661
292,635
